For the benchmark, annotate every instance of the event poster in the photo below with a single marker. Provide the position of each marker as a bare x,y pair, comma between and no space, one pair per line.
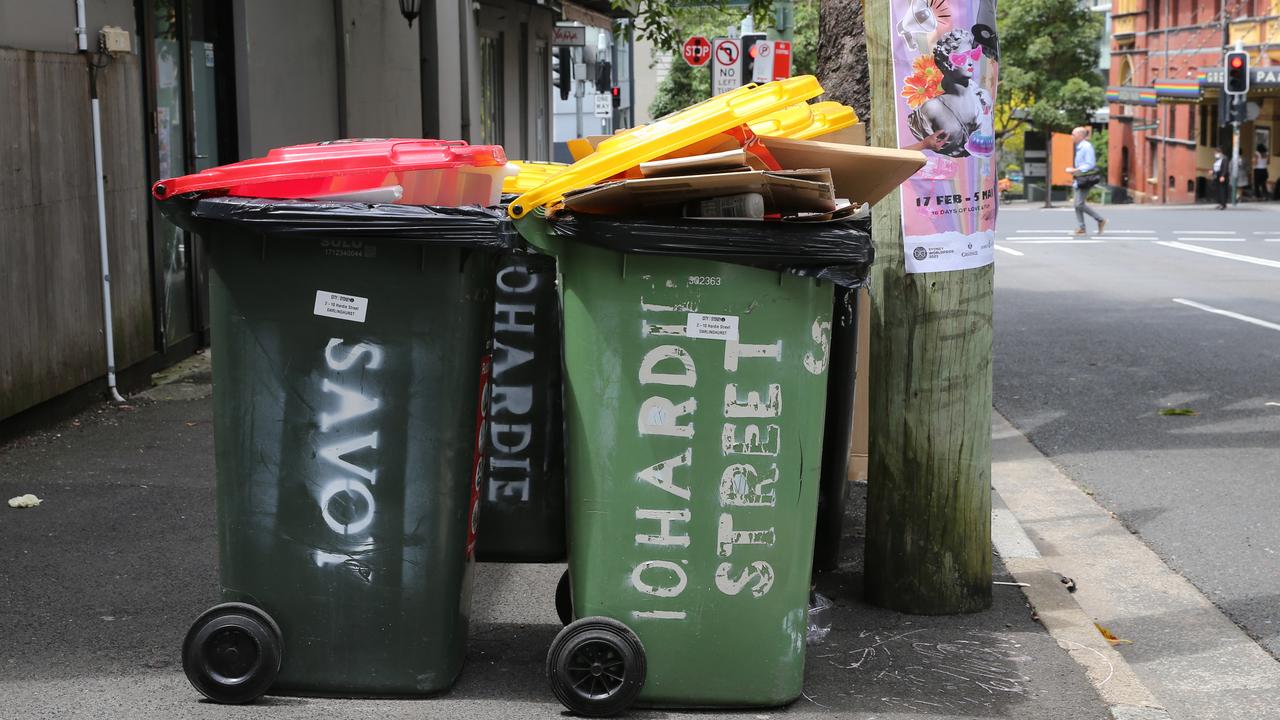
946,59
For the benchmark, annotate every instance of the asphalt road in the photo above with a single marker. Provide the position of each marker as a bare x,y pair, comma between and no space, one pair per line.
1170,309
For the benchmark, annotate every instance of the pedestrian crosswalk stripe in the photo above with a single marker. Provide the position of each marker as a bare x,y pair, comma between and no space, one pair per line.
1227,313
1055,241
1221,254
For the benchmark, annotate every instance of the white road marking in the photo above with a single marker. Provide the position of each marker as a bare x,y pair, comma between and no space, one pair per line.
1055,241
1270,239
1228,313
1011,251
1034,232
1220,254
1212,239
1204,232
1131,232
1021,238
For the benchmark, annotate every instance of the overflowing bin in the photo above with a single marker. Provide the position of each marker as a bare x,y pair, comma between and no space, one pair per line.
351,361
695,390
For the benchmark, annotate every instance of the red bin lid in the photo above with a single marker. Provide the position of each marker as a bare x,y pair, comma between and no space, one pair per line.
375,158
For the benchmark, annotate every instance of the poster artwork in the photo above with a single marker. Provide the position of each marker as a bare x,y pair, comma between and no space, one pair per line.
945,65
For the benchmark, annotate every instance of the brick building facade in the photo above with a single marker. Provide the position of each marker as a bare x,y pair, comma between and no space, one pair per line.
1164,105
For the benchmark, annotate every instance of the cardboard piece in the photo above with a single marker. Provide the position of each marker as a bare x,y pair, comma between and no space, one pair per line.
855,134
860,174
785,192
735,160
859,444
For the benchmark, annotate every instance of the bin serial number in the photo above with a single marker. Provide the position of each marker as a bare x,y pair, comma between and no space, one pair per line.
703,280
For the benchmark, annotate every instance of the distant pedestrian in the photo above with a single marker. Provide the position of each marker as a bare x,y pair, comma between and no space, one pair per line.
1221,168
1085,172
1260,173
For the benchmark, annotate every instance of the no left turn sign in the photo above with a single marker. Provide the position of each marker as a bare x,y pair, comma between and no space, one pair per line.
727,51
726,71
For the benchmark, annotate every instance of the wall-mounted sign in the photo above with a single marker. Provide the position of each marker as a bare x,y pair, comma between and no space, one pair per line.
569,35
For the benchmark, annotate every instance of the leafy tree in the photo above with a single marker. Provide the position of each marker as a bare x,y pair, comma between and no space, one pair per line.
683,86
659,21
1048,65
1099,140
804,38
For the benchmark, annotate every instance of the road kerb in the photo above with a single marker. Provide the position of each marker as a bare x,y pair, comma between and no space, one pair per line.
1068,624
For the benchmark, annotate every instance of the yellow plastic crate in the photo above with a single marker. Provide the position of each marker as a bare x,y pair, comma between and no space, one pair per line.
531,175
669,134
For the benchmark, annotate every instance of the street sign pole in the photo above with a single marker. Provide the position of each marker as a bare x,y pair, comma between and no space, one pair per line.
1235,159
1237,99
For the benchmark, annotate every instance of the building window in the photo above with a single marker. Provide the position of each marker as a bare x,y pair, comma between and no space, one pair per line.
491,88
1191,124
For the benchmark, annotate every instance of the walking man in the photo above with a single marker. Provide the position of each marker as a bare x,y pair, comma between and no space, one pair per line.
1086,176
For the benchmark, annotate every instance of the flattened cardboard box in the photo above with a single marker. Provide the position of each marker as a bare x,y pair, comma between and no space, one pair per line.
859,173
784,191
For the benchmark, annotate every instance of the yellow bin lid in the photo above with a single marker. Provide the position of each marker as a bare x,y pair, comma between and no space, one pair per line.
784,122
531,175
828,117
620,152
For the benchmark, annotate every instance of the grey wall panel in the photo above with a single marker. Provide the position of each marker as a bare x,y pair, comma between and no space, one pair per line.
50,24
286,73
383,78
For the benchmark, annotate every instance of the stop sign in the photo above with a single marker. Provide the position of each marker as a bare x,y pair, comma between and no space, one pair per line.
697,51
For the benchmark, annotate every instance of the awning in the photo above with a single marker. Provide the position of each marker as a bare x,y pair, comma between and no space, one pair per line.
1131,95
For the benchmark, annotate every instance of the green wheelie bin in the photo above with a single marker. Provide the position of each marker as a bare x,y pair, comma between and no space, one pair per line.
350,366
695,381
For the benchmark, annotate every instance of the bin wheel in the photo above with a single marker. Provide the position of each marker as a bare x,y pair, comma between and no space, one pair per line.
564,599
596,666
232,653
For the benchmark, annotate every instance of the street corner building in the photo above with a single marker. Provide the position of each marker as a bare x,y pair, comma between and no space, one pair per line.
1165,96
187,85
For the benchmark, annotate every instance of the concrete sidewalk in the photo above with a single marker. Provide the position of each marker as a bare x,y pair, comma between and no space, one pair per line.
99,583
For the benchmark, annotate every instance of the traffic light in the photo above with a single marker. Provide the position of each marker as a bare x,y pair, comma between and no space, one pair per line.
562,70
1237,66
749,54
604,76
1239,109
617,97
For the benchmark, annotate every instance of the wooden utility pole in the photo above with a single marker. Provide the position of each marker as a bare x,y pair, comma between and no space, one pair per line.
929,495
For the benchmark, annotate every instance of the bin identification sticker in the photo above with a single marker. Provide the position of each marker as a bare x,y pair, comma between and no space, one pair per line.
341,306
712,327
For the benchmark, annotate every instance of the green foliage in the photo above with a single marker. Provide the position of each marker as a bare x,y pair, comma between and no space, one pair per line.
1048,65
1100,140
804,38
665,23
682,87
